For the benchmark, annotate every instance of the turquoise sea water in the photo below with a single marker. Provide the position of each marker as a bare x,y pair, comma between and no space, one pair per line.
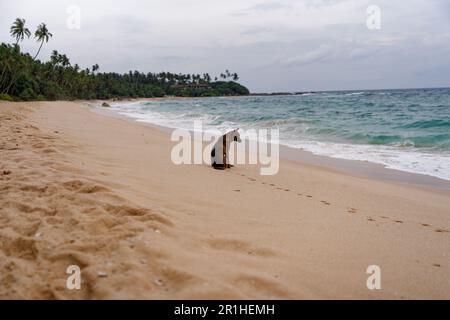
407,130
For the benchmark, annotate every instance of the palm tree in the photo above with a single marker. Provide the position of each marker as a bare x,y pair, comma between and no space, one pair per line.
95,67
54,58
42,35
19,31
65,62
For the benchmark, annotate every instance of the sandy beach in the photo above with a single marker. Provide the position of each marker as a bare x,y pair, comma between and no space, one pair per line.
82,188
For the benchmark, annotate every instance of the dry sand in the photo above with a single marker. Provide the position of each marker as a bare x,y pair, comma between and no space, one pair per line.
81,188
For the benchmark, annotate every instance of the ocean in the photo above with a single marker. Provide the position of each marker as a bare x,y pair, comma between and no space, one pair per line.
407,130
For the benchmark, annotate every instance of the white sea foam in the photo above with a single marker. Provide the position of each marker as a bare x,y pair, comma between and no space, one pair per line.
390,157
354,93
177,121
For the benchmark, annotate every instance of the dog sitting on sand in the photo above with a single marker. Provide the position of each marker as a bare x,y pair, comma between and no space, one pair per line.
219,153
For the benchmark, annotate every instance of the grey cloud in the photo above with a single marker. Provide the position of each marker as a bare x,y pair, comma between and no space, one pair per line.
271,44
263,7
255,30
317,55
269,6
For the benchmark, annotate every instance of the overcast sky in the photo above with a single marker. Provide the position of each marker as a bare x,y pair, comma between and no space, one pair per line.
282,45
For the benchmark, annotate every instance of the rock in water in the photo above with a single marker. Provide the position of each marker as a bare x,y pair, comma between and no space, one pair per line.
106,105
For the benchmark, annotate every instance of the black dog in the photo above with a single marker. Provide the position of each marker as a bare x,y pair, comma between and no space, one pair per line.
219,154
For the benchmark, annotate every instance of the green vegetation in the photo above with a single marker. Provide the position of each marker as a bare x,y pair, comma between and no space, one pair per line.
5,97
22,77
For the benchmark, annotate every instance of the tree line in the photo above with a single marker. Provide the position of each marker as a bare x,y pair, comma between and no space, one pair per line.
24,77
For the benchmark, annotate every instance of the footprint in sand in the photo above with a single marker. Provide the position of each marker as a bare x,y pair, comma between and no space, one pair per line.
241,247
264,286
352,210
442,231
398,221
371,219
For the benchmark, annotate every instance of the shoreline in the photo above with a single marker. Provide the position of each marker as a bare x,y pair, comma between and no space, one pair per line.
356,168
81,188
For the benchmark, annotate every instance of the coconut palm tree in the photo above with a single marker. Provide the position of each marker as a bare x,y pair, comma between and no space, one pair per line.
19,31
42,35
54,58
95,67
